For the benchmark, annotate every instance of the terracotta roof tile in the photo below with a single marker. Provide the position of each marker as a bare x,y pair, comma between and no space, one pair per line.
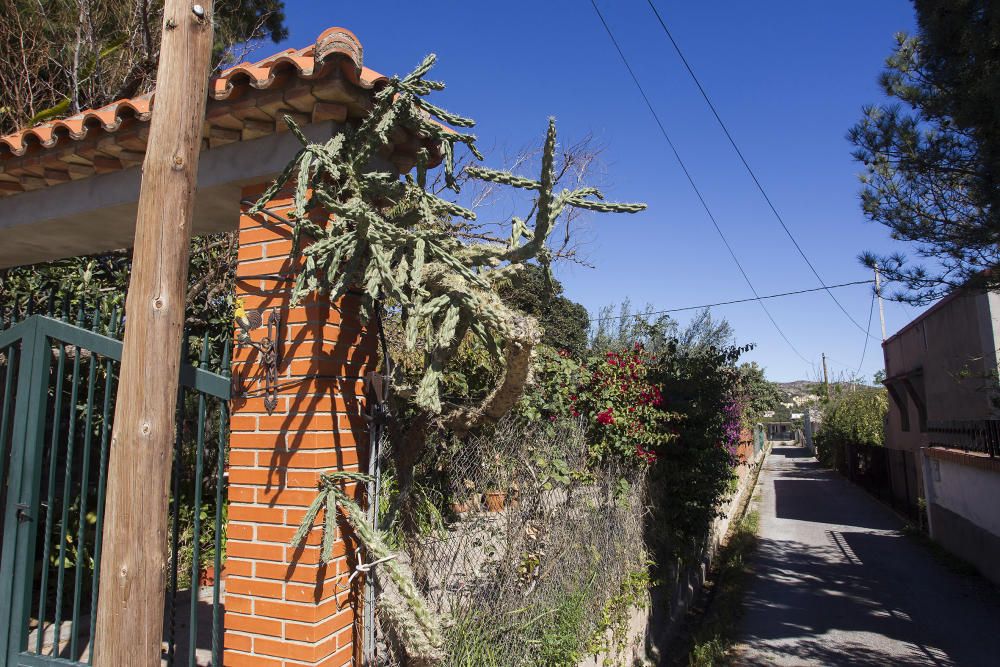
334,48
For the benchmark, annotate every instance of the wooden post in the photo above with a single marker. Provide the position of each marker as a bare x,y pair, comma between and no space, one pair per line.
130,607
878,293
826,379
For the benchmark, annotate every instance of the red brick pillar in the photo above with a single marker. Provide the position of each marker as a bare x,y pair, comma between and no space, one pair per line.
282,607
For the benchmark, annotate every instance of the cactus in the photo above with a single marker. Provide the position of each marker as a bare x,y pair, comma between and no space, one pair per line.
391,239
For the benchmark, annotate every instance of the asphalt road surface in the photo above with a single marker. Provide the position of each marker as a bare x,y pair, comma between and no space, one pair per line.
836,583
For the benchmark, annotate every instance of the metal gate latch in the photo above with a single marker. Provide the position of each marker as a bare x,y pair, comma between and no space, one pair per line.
22,513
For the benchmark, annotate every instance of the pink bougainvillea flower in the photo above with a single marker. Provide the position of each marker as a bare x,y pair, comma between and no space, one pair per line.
605,417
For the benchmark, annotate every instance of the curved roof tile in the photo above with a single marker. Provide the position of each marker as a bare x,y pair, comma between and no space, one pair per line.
335,46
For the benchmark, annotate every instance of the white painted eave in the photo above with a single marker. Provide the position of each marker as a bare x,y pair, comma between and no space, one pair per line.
98,213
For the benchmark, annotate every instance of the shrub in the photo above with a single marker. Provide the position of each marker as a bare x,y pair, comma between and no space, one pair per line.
856,417
624,410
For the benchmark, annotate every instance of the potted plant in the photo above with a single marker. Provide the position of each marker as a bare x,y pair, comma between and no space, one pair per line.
496,484
464,501
495,501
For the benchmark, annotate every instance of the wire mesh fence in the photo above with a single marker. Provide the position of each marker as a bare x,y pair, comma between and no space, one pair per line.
517,544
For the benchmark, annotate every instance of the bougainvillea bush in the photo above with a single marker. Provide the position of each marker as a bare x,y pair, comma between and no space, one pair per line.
694,473
627,417
624,412
732,426
669,403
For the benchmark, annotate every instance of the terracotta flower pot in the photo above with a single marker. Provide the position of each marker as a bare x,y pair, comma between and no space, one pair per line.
460,506
206,577
495,500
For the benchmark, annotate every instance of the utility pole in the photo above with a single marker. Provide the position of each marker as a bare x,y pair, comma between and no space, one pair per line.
130,607
826,379
878,294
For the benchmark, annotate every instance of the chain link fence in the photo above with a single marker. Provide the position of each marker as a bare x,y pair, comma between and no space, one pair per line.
518,545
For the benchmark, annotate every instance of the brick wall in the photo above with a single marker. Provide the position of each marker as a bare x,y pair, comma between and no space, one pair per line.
283,608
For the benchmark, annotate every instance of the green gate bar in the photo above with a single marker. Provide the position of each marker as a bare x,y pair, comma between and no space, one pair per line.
61,473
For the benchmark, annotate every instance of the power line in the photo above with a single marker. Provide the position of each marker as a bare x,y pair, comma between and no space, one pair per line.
864,350
727,303
690,179
746,164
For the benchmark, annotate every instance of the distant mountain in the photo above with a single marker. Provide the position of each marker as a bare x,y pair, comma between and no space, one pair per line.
798,388
802,392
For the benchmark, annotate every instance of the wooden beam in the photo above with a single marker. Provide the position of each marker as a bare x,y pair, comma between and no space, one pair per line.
105,164
130,607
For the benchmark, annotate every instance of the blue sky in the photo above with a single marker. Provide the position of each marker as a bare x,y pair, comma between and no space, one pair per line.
788,77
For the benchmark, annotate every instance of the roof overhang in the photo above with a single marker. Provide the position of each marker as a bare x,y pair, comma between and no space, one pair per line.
98,214
71,187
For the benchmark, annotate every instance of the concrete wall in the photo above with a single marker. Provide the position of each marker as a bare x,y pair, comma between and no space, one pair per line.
962,490
950,352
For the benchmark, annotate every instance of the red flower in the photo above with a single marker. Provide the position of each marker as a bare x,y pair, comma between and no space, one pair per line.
647,455
605,417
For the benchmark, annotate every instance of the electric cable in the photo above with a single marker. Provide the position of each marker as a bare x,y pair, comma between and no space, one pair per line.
864,350
690,179
727,303
746,164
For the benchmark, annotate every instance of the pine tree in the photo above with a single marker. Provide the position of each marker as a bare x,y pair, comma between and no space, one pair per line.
932,165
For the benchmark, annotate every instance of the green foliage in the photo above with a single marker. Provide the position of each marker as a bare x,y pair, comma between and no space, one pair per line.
394,239
932,164
856,417
426,511
564,323
611,635
693,475
555,377
206,541
557,632
758,395
58,58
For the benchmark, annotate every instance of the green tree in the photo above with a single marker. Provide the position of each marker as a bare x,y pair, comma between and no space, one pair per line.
58,58
856,417
758,394
564,322
657,331
932,159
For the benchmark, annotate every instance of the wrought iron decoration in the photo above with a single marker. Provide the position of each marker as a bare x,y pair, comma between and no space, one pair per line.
267,347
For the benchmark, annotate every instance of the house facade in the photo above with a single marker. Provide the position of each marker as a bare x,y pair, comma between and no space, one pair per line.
942,426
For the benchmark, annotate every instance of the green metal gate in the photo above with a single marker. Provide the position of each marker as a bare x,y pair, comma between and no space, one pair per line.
59,382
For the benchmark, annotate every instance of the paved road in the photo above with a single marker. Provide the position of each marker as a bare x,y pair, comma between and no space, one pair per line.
836,583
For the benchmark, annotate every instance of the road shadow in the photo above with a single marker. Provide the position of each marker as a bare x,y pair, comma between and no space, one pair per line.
856,591
861,583
791,452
